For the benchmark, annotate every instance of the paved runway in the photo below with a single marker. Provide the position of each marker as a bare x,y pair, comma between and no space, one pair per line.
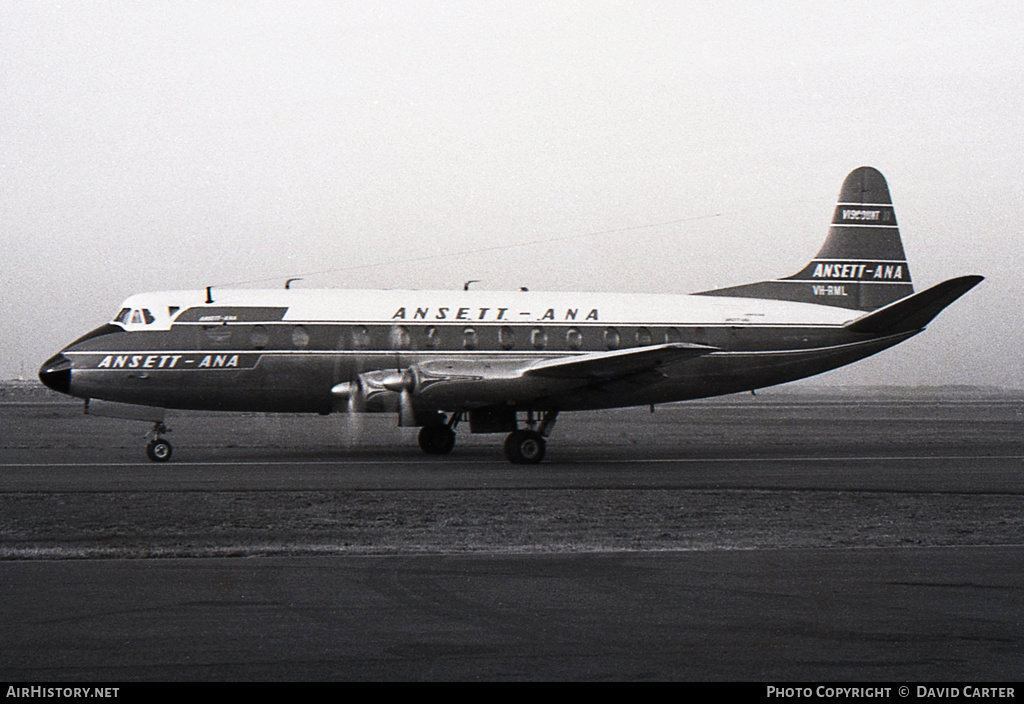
914,615
765,541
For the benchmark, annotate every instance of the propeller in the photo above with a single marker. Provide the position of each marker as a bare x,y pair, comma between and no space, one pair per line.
367,386
403,383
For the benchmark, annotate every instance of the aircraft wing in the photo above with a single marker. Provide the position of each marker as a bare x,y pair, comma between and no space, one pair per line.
611,365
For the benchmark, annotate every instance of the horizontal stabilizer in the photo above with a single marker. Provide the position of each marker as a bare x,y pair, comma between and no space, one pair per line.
609,365
913,312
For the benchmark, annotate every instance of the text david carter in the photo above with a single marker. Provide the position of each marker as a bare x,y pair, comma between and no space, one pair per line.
921,692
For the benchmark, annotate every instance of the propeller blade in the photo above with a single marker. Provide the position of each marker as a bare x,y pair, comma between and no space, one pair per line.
355,406
406,413
352,393
355,424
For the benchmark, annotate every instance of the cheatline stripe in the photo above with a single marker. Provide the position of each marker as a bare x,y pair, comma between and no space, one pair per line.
514,324
866,261
831,280
541,354
847,224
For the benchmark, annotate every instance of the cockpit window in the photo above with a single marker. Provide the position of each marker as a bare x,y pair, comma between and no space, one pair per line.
135,316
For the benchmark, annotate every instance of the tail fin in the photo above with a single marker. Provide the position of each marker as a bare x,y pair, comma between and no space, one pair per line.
861,266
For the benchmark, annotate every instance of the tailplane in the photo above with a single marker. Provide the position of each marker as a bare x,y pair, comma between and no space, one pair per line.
861,266
914,312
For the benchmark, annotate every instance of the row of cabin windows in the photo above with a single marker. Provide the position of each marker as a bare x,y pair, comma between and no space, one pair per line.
400,337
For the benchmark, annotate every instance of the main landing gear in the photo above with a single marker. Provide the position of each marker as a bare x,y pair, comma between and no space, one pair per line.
439,439
522,445
527,446
158,449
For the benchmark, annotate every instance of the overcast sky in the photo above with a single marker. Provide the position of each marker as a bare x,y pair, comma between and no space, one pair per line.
663,147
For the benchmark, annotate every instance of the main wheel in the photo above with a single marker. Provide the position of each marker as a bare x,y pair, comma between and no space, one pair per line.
525,447
436,439
159,450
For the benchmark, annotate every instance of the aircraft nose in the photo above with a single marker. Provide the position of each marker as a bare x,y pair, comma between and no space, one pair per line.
56,373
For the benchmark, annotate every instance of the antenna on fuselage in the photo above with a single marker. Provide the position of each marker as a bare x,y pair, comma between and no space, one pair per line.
288,283
209,297
465,286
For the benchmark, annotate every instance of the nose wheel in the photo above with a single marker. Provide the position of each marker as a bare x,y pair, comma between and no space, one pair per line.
158,449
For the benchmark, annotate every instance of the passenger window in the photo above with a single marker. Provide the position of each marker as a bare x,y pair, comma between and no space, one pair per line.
260,337
538,338
399,338
300,337
360,337
506,337
432,339
672,335
469,340
612,339
643,336
574,339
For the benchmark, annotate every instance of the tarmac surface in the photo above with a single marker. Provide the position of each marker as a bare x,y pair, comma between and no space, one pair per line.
772,538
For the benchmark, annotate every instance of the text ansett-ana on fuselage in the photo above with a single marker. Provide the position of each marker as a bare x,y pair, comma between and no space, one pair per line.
508,362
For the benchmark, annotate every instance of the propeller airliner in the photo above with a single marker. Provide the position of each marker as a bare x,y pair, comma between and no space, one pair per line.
503,362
